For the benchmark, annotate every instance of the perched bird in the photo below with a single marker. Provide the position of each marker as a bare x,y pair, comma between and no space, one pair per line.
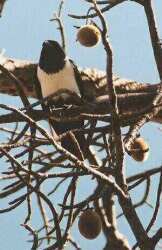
56,71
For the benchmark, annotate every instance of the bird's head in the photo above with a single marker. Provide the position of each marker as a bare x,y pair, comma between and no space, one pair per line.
52,57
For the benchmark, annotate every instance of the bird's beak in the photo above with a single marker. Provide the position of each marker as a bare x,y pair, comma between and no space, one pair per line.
45,43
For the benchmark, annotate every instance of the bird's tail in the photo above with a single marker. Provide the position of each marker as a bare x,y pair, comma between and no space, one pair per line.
74,142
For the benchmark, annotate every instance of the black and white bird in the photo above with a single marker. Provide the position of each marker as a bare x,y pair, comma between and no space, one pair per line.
56,71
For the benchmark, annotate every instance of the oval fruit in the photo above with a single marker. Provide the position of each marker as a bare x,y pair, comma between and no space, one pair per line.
88,35
89,224
139,150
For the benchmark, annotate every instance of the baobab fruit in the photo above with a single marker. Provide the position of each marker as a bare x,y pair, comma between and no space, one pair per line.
89,224
88,35
139,149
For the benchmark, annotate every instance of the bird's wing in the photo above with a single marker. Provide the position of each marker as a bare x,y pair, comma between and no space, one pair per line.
78,78
37,88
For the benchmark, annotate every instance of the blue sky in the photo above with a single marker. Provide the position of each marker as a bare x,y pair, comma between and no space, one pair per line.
25,25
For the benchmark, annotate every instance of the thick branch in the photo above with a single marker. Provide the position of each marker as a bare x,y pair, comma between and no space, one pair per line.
136,95
93,80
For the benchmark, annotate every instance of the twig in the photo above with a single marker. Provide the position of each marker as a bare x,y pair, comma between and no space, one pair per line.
108,7
57,18
157,207
34,234
155,39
